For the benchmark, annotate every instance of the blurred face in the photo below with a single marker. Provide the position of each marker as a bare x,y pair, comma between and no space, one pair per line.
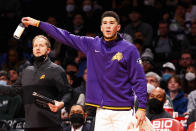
134,16
52,21
191,69
4,78
76,109
78,20
152,80
163,29
158,94
185,60
147,65
70,68
12,56
168,71
173,85
40,48
13,75
180,11
109,28
138,35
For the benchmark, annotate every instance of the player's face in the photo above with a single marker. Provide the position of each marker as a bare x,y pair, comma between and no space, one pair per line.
109,28
40,48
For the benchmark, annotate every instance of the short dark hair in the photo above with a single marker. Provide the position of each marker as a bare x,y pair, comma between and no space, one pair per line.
110,14
83,108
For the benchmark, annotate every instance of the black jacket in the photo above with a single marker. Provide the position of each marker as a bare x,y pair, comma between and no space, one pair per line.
86,127
49,80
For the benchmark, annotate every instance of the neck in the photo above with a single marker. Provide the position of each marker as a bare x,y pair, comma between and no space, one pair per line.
111,39
173,94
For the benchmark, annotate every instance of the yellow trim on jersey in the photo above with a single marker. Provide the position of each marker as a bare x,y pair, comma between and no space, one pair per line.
117,108
142,109
88,104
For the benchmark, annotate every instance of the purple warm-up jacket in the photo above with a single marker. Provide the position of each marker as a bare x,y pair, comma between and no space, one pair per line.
114,69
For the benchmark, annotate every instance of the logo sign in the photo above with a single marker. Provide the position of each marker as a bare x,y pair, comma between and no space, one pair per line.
162,124
167,124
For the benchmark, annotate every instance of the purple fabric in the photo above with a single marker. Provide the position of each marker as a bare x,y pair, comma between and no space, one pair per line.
110,81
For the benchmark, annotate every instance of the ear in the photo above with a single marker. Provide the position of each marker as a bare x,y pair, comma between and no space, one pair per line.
118,27
48,50
101,28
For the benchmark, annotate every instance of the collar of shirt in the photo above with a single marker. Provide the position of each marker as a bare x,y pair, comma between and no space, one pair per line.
79,129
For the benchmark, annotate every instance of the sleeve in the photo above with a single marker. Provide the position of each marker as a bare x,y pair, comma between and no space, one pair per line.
191,102
137,77
64,89
78,42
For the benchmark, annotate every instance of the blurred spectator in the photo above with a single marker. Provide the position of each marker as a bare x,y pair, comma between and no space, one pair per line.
80,60
192,38
55,45
13,74
178,27
71,67
168,69
190,10
177,95
155,105
164,45
70,9
138,25
9,106
147,60
185,60
77,117
191,101
192,117
153,81
189,83
139,45
4,78
15,59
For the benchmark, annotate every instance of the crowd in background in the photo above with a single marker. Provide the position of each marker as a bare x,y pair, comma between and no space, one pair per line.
164,32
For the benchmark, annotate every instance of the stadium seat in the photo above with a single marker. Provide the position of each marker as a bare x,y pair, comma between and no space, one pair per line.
192,127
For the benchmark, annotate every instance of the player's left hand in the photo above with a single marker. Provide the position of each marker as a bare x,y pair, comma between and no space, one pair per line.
57,106
140,116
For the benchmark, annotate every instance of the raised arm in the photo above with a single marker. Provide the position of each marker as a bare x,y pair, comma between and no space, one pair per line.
63,36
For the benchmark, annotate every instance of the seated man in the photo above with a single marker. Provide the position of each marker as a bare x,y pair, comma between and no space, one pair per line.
155,105
77,117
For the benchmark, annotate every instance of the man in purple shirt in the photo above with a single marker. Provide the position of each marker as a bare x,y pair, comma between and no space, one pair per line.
115,72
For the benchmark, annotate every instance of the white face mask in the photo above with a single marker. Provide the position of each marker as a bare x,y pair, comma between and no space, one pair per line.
189,76
2,82
150,87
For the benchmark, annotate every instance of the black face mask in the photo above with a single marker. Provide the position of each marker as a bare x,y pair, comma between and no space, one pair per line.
77,120
155,106
39,59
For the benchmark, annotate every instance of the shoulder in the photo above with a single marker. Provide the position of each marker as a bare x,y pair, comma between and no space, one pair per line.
55,67
29,68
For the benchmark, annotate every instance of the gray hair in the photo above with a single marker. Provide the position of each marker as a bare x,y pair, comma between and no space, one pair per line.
153,74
